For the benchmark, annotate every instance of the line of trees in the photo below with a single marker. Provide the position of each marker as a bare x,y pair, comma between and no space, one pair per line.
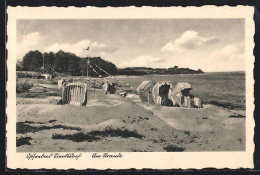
64,62
162,71
69,63
177,70
130,71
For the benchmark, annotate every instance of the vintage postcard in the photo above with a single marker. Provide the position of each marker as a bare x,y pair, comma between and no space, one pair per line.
120,88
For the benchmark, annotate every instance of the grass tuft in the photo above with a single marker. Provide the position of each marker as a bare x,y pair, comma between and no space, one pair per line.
22,128
23,141
110,132
23,87
98,135
78,137
172,148
237,116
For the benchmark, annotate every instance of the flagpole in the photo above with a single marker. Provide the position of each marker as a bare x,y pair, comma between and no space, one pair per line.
87,66
43,62
87,61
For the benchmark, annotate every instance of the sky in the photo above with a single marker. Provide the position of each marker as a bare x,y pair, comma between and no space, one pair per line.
212,45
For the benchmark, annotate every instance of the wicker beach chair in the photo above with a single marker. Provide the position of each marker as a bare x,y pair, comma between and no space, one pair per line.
75,94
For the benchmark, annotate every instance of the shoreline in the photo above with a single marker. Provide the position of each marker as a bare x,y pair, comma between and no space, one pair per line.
126,76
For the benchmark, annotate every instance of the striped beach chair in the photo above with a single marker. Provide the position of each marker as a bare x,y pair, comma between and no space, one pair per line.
75,94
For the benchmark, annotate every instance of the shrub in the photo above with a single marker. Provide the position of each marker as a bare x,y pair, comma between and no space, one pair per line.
22,87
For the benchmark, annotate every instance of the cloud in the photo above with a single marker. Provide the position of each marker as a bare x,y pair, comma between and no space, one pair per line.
79,48
228,58
229,52
29,42
188,40
102,48
212,40
35,41
142,61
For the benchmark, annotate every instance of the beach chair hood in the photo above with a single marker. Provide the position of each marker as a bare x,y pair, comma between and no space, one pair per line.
180,87
176,94
156,94
144,91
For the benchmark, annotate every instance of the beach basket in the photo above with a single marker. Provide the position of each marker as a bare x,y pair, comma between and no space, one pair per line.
144,91
75,94
162,89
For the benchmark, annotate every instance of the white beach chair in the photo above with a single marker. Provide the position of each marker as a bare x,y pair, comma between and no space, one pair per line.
75,94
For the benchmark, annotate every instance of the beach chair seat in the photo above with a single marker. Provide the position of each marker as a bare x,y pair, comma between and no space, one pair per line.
197,102
162,89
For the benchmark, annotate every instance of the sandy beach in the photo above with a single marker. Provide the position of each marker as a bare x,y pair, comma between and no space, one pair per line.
124,124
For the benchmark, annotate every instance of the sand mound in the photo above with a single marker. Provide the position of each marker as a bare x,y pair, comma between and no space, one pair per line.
213,127
101,102
29,101
48,86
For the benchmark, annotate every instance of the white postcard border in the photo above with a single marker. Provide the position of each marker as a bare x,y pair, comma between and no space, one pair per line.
154,160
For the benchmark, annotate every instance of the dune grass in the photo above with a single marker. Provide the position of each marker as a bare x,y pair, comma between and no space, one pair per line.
98,135
237,116
23,141
173,148
23,127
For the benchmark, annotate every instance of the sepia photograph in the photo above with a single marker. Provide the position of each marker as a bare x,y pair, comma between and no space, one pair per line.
128,85
147,84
